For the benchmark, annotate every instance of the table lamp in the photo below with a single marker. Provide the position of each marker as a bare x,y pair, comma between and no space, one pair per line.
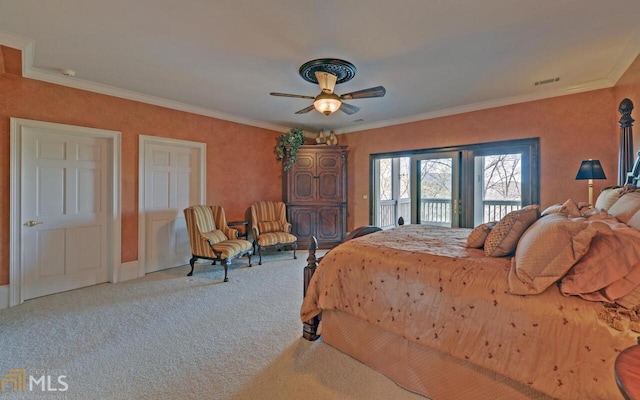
590,170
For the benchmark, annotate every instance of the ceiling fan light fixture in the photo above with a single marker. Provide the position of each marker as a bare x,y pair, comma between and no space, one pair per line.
327,103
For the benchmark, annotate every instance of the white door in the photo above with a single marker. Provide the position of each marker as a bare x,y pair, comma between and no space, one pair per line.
64,211
171,184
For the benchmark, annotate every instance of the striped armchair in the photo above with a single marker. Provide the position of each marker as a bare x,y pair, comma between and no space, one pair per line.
270,227
212,239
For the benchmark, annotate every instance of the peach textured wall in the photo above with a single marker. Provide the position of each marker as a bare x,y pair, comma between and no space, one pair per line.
628,86
241,168
571,128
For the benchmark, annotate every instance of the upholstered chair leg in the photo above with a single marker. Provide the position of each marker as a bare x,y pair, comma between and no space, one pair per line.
260,254
192,263
249,255
225,264
295,247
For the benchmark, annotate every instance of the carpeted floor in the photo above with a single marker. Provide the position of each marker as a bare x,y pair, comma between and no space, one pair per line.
171,336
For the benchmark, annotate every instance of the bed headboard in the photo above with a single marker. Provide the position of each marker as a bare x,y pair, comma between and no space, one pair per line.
633,177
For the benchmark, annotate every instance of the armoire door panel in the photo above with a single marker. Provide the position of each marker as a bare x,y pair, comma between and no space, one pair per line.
304,221
330,227
303,187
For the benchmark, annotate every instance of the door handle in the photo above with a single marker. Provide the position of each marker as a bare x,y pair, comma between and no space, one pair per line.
33,223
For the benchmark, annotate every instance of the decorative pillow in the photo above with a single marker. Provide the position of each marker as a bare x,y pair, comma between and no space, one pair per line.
608,196
503,238
611,268
479,234
554,209
215,237
634,221
569,208
626,206
602,265
631,300
270,226
547,251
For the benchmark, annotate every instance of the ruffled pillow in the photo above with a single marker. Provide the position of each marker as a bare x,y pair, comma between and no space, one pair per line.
611,268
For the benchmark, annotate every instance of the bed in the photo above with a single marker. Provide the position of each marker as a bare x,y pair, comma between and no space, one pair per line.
447,321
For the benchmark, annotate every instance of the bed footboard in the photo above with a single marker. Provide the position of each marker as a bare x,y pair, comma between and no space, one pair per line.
310,328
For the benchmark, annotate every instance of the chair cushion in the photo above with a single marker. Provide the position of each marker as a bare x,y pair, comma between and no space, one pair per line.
273,238
270,226
214,236
232,248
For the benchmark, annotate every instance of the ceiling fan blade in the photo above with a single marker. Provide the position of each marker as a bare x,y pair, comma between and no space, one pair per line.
292,95
349,109
378,91
326,81
305,110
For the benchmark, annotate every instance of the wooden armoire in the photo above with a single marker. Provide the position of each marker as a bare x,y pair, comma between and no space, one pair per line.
315,193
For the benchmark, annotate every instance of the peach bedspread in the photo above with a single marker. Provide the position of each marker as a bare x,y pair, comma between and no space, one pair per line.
422,284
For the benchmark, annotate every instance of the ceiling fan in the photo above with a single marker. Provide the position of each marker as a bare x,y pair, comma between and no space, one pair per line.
327,73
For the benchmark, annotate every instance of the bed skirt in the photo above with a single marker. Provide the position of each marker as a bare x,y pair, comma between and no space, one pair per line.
417,368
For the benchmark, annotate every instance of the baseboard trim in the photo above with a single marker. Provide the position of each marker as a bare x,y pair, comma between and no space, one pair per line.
127,271
4,296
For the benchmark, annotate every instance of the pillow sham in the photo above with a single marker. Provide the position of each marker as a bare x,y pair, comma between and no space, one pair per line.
631,300
479,234
569,208
608,196
503,238
553,209
626,206
547,251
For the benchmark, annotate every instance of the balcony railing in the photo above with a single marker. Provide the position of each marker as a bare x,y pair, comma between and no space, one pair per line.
494,210
435,211
438,211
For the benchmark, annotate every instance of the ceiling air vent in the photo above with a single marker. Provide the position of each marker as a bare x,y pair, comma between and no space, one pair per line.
544,82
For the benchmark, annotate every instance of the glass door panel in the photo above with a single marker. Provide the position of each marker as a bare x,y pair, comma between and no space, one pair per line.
392,191
498,189
437,189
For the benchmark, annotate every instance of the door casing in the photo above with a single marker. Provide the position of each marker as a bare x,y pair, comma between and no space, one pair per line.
144,141
114,214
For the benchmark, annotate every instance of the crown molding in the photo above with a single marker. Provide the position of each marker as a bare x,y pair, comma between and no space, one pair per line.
504,101
627,57
27,46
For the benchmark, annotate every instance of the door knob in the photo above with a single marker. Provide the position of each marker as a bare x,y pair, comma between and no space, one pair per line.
33,223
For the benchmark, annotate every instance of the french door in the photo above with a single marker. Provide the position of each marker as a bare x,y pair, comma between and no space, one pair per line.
392,193
436,187
460,186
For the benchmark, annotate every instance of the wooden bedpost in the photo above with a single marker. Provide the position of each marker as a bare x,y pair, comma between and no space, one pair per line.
310,327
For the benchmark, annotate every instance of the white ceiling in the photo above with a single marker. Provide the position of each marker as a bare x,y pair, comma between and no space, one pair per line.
222,58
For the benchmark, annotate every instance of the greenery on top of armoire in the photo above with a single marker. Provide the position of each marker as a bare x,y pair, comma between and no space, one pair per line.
288,145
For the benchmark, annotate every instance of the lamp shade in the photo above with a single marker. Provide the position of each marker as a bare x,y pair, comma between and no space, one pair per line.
590,169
